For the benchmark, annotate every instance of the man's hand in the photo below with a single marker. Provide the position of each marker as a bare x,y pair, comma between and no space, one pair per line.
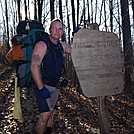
45,93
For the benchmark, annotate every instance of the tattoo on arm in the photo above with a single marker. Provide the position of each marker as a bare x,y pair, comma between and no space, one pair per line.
36,58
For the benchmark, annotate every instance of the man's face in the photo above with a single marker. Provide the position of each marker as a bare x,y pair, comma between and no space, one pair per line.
56,30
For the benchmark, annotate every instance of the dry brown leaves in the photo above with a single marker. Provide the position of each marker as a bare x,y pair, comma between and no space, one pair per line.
75,114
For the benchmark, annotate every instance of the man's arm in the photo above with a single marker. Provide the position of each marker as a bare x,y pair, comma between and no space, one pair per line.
37,56
67,47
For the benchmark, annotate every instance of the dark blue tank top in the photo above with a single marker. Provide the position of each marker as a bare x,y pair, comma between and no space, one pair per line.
52,64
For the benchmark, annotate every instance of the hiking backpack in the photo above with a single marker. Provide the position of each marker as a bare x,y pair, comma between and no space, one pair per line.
30,32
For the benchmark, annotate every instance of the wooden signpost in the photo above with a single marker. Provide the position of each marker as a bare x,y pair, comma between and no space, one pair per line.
98,63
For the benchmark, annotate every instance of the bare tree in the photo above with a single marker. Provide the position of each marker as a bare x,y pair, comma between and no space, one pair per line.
25,10
7,26
4,23
91,11
14,16
127,42
105,20
77,13
52,9
28,6
60,9
73,14
111,14
84,10
61,17
40,3
119,25
96,10
19,15
101,12
35,10
133,9
68,22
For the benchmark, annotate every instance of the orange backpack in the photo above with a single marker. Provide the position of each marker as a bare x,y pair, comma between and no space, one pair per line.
15,53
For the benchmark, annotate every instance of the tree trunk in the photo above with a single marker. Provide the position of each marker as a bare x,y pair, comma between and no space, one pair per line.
73,14
35,10
18,3
68,22
133,12
77,13
28,7
111,14
52,9
61,17
96,4
91,11
88,11
39,10
105,16
60,10
40,3
25,10
127,43
3,16
84,13
133,9
8,47
119,20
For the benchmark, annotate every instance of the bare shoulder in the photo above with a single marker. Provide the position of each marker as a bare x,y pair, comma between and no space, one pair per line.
66,47
39,50
40,46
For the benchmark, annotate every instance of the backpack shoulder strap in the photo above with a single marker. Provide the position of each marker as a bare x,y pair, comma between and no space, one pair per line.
47,41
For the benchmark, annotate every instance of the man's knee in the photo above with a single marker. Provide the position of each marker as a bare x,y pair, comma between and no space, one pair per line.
45,116
52,112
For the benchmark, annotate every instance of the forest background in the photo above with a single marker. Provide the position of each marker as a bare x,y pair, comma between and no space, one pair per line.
115,16
111,15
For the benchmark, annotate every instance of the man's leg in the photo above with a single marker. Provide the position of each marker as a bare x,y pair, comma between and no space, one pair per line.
46,118
42,122
53,101
50,123
45,113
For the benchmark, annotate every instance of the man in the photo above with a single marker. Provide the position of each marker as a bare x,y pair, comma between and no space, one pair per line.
46,73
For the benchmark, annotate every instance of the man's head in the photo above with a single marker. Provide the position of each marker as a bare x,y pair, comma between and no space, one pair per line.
56,29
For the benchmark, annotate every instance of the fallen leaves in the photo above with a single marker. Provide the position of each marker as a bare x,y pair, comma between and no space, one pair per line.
75,113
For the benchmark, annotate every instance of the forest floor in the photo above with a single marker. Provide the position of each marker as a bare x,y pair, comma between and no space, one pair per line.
75,114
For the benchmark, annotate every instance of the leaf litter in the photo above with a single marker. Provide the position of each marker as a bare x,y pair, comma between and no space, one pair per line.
75,113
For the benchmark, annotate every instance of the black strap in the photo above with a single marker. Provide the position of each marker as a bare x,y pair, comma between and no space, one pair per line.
50,80
64,69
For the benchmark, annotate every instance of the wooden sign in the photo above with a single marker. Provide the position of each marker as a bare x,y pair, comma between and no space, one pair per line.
98,62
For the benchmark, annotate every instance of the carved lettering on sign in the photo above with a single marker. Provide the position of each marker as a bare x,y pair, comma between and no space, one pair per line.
98,62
